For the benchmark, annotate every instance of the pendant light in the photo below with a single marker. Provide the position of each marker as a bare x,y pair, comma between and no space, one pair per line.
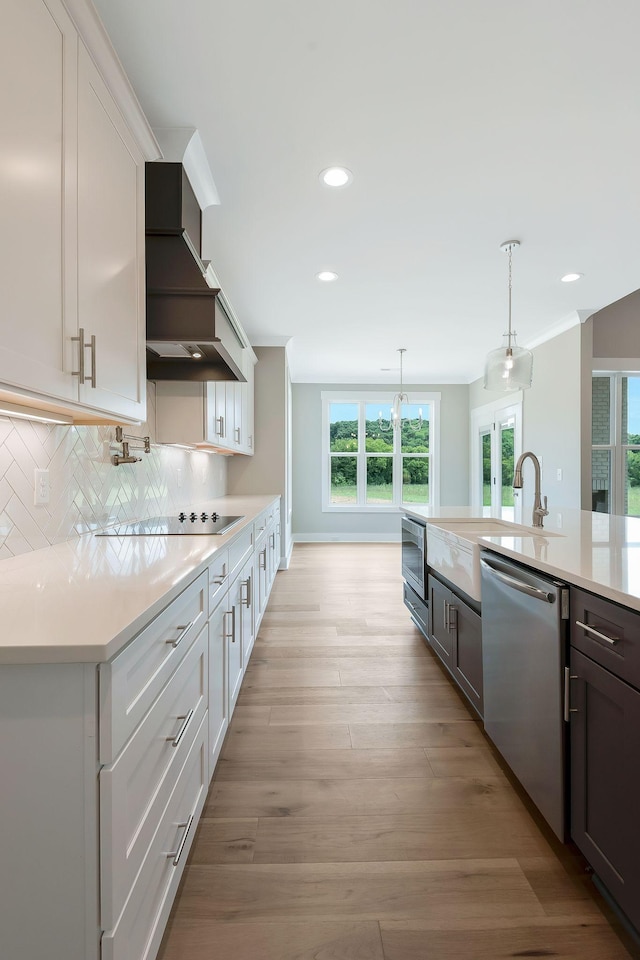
395,414
510,366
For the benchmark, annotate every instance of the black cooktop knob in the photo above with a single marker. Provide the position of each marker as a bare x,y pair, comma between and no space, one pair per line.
192,517
203,517
214,517
182,517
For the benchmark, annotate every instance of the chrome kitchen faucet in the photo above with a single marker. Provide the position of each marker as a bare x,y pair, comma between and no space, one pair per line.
538,510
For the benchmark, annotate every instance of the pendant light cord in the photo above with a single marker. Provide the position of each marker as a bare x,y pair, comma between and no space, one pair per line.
509,350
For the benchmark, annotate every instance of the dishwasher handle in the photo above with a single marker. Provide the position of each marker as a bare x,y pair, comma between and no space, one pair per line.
516,584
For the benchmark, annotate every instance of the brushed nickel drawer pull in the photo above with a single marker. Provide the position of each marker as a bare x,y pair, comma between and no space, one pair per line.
596,633
221,579
176,854
184,629
175,741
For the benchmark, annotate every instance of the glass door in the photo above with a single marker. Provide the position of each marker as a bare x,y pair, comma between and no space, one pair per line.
497,442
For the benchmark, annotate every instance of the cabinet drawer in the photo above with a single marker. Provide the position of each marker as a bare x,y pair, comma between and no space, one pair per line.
139,930
130,683
260,524
607,633
135,789
218,577
240,549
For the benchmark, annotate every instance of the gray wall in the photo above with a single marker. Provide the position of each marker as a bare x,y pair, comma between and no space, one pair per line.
551,418
616,328
308,518
266,471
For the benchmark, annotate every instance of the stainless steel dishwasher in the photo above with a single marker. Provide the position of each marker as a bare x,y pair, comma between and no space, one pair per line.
524,636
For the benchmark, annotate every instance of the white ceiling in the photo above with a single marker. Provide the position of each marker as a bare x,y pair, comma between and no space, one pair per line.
465,124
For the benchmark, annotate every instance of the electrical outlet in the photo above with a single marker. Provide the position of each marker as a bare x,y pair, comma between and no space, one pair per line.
41,487
179,477
559,473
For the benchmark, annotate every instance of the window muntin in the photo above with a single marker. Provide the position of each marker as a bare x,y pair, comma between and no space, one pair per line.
381,468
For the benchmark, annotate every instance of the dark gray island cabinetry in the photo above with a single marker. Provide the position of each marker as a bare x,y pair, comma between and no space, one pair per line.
455,634
605,743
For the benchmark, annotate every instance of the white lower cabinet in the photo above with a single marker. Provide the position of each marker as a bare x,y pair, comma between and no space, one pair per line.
218,699
110,766
140,928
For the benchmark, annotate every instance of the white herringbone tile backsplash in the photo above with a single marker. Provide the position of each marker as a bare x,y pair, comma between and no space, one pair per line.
87,490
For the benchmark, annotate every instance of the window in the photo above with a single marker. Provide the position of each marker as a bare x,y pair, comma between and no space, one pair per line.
615,443
368,465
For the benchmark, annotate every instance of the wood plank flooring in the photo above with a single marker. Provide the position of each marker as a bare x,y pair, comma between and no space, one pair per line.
358,812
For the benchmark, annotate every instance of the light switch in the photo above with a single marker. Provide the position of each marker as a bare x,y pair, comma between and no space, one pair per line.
41,487
559,473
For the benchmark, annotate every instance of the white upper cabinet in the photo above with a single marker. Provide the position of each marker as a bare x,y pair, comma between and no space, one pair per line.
110,249
37,160
72,218
208,412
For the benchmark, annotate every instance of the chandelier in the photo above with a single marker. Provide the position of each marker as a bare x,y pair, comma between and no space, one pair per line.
396,420
510,366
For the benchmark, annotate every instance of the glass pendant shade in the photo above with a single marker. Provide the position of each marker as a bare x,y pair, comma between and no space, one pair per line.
509,367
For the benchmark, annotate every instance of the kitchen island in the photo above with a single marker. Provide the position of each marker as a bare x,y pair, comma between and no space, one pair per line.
591,694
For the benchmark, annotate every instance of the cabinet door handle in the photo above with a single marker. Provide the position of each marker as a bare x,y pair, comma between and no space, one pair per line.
183,632
231,636
453,617
247,599
175,741
91,346
262,559
220,421
250,441
176,854
237,434
446,616
596,633
79,373
567,694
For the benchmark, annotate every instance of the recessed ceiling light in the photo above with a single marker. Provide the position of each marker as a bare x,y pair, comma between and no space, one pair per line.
336,176
327,276
570,277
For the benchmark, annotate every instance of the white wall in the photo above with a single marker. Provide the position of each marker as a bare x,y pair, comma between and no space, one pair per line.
308,519
552,419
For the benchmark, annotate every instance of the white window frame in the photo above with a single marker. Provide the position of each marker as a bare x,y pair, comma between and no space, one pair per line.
381,399
487,419
616,448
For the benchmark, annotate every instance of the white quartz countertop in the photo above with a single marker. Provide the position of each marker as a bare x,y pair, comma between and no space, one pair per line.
596,551
84,599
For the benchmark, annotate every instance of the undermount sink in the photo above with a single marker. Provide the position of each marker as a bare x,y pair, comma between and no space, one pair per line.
453,550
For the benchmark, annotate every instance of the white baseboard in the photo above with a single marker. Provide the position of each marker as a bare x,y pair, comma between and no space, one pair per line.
346,537
285,561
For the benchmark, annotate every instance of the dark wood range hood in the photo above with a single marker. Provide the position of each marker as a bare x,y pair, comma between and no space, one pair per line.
184,314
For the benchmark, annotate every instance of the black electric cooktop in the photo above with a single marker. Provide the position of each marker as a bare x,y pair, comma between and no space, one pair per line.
184,524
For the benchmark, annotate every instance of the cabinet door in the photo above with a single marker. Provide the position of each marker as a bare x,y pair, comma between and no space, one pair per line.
218,710
38,82
239,438
247,603
467,650
233,635
110,250
605,778
441,637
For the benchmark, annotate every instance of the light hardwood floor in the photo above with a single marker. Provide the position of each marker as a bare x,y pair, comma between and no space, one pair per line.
358,812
